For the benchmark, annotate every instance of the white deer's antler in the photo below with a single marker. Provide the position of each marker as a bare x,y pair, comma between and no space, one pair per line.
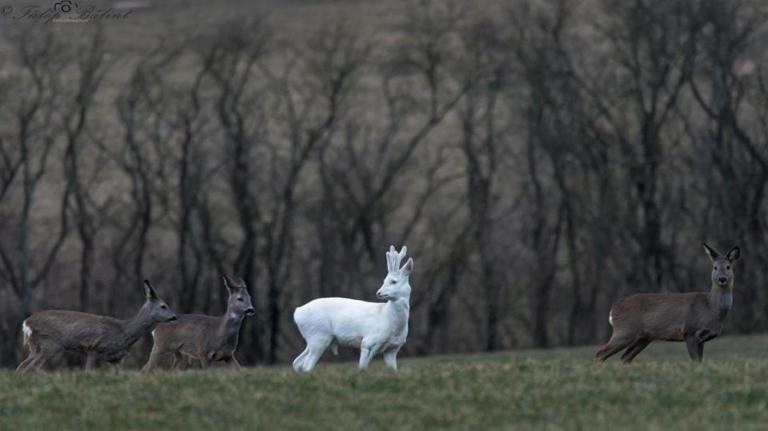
394,258
391,255
398,257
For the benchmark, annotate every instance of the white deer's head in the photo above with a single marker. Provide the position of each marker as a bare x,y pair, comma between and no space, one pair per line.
395,285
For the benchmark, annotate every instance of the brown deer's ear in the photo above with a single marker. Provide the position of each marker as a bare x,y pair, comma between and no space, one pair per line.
712,253
149,292
733,254
227,283
242,282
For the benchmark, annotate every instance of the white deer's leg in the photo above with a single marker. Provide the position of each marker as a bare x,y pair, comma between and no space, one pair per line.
316,347
366,354
390,359
299,361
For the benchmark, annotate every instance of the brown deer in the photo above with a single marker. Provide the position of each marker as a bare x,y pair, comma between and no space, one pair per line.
695,317
50,333
205,338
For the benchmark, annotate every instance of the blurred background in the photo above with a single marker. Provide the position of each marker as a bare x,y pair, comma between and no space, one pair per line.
540,158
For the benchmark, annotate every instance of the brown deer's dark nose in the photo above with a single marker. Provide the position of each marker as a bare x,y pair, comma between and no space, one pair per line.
722,280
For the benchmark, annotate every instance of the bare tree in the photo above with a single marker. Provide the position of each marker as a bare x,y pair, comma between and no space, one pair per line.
40,61
91,67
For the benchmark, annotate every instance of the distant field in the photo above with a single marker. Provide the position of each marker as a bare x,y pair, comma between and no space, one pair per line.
555,389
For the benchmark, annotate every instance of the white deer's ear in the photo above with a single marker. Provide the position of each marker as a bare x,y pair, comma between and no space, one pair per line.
407,268
733,254
712,253
149,292
226,283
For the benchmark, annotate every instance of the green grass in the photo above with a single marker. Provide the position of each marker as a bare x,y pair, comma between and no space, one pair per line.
554,389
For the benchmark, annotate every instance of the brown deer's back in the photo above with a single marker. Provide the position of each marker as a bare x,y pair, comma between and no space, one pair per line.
188,327
657,315
72,330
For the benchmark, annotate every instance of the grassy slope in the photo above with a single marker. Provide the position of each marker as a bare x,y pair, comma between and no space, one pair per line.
556,389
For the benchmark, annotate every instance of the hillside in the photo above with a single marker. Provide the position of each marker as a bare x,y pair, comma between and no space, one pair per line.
555,389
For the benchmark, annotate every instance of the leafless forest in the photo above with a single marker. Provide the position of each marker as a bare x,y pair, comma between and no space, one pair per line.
540,159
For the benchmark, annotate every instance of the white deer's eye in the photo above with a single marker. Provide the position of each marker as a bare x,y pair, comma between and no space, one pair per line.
728,267
715,268
392,281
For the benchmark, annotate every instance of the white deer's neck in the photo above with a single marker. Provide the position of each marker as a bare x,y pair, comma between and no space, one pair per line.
399,309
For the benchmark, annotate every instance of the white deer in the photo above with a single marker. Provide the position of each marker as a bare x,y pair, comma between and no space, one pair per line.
372,327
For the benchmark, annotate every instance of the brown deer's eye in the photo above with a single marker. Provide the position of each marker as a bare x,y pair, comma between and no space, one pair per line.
715,268
164,307
728,267
240,298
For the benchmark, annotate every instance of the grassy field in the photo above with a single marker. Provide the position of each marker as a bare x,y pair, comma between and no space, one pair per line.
554,389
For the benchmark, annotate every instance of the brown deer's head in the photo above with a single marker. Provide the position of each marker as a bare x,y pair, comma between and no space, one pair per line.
239,299
722,266
157,309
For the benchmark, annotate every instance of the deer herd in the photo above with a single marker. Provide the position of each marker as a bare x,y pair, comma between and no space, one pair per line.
371,327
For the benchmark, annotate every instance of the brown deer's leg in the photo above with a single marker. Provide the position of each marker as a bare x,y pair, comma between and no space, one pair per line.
38,362
90,361
176,359
205,361
154,358
187,360
701,350
695,348
25,363
613,346
703,336
634,350
232,362
120,364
